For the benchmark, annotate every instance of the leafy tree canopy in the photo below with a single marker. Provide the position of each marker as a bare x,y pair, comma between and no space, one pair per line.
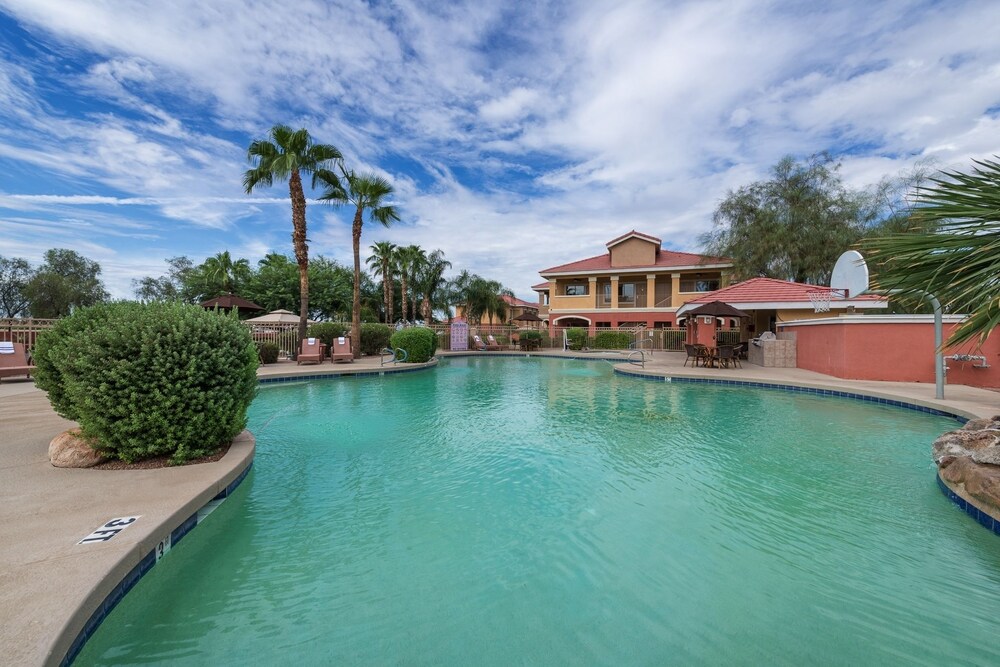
15,273
794,225
66,280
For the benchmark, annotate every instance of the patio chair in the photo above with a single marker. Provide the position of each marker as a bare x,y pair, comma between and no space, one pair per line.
492,344
341,350
311,350
481,346
515,341
14,360
739,352
697,353
725,355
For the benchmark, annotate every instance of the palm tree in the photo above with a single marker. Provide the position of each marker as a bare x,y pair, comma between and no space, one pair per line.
222,271
958,260
382,261
408,258
430,280
480,297
287,155
366,192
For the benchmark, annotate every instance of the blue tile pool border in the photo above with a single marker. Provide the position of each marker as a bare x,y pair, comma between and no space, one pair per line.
142,567
389,370
985,520
878,400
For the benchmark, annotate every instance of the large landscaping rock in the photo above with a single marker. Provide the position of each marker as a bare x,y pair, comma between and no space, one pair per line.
970,458
68,450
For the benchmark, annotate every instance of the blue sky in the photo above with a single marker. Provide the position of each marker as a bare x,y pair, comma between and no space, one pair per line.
518,135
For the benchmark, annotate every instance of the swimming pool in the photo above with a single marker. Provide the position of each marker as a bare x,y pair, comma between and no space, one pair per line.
541,511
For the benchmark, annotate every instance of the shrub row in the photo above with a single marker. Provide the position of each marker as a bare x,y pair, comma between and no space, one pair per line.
612,340
153,379
420,343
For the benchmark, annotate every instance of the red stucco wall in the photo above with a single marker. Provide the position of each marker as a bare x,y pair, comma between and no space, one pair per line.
891,351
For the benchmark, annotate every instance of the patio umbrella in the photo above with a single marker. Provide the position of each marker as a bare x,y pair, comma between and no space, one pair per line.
229,301
716,309
280,316
528,316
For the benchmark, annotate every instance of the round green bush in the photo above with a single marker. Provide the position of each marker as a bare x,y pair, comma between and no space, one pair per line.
420,343
374,337
150,379
268,351
612,340
577,338
327,331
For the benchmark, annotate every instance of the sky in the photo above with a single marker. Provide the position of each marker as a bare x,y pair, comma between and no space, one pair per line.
517,135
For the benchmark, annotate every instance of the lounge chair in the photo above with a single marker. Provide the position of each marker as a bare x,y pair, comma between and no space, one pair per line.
478,343
341,350
492,344
311,350
13,360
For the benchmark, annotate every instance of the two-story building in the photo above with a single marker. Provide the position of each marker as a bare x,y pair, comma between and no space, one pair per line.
636,282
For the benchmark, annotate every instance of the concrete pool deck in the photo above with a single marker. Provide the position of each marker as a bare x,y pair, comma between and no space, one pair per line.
50,585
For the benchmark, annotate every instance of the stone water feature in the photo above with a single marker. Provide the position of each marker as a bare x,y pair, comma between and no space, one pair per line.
969,460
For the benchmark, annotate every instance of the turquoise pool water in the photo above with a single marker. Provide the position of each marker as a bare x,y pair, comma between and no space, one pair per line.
532,511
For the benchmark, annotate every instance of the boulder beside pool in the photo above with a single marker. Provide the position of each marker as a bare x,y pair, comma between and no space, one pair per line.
969,458
69,450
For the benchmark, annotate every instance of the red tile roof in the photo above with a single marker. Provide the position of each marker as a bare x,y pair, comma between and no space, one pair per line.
544,285
758,290
664,259
514,301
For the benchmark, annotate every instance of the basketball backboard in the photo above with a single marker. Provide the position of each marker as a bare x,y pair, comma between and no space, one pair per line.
850,274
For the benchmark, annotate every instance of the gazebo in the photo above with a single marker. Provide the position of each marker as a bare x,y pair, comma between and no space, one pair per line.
529,316
702,321
231,301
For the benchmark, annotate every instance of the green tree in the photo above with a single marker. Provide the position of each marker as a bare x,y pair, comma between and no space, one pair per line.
792,226
171,287
429,281
275,283
382,262
288,154
333,289
366,192
65,281
226,273
481,297
953,252
15,273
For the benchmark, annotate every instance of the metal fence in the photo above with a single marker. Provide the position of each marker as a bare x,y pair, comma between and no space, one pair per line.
286,335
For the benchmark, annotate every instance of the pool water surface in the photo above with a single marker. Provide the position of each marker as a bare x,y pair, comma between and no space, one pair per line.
541,511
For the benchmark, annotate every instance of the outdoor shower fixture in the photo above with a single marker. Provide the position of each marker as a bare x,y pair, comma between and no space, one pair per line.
970,357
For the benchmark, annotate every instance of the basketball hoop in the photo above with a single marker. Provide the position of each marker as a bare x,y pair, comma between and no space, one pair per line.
821,298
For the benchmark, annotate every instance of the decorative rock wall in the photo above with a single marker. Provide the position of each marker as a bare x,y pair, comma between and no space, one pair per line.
969,458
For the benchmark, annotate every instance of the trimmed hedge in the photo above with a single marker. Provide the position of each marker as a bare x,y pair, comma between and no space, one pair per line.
328,331
151,379
577,337
420,343
374,337
268,351
612,340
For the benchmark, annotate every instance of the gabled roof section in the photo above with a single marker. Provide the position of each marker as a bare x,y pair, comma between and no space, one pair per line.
514,301
664,259
541,286
636,235
770,289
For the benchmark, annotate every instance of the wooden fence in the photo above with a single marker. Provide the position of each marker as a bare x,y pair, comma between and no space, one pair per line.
23,330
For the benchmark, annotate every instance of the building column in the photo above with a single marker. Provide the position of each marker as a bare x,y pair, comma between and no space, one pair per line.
614,291
675,290
650,290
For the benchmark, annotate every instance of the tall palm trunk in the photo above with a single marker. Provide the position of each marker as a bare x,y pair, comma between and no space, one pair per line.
301,248
402,301
425,309
356,308
387,291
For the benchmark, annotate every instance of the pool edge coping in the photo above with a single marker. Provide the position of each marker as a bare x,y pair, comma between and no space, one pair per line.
140,558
